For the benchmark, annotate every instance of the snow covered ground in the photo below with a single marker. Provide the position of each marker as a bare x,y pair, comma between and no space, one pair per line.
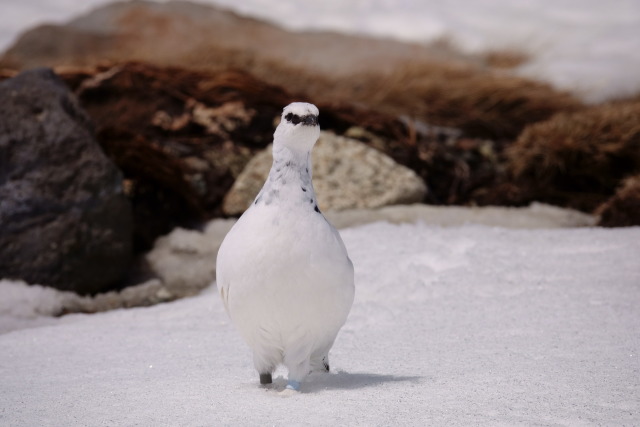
588,46
468,325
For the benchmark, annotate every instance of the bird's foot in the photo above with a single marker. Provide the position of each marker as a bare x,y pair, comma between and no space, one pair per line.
265,379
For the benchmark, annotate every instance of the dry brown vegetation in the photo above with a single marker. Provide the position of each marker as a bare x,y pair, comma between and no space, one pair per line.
623,209
577,159
482,103
505,59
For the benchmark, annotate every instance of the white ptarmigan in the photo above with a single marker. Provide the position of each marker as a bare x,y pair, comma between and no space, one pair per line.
282,271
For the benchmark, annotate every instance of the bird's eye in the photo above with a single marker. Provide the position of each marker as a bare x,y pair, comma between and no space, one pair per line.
293,118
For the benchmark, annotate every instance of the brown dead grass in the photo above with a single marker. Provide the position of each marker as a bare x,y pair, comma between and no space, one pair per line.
478,99
623,209
578,159
505,59
482,103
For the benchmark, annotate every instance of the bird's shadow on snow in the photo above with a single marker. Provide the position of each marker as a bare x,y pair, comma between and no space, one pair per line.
350,381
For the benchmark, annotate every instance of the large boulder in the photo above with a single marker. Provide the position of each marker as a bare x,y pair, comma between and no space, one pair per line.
64,220
346,174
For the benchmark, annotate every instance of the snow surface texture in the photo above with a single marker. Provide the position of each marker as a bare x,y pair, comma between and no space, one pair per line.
590,47
469,325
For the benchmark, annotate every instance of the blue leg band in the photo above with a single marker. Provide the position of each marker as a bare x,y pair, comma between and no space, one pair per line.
293,385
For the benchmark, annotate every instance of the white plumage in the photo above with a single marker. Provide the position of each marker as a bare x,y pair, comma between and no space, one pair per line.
283,271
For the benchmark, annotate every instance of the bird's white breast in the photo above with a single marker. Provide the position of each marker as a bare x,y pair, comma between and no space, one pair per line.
284,271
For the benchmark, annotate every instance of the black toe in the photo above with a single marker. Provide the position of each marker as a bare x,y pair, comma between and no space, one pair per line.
265,379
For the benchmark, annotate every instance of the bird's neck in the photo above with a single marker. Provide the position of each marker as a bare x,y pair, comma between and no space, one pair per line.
285,157
289,180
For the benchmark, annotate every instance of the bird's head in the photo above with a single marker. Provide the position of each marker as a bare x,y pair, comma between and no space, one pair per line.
298,128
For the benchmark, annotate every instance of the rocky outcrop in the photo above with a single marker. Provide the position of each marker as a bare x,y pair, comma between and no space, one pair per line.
182,137
346,174
64,220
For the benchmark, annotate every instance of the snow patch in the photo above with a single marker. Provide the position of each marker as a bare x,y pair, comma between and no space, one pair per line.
468,325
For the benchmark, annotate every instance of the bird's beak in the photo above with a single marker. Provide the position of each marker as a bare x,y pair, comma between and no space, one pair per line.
310,120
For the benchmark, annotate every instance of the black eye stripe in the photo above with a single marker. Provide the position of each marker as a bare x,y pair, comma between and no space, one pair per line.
293,118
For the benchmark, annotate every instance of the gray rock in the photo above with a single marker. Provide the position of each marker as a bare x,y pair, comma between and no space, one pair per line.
64,221
346,174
